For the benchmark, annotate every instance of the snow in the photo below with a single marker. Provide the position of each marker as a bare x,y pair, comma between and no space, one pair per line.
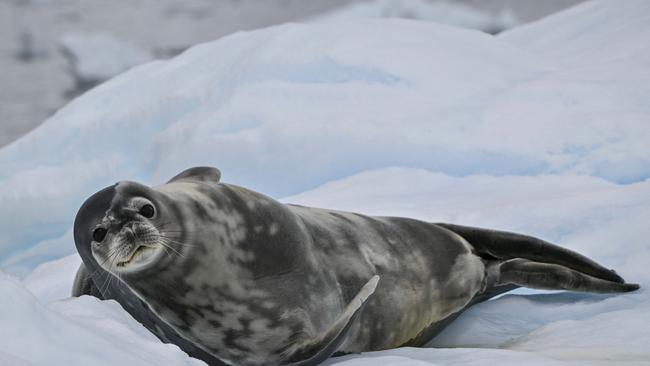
577,38
462,102
442,12
246,105
542,130
81,331
37,80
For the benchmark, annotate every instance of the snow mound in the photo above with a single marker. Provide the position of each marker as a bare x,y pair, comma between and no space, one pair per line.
542,130
286,109
443,12
81,331
591,33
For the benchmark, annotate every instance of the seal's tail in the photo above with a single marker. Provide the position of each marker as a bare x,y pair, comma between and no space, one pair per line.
527,261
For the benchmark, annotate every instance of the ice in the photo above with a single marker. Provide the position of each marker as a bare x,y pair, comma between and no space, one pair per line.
41,325
542,130
443,12
35,78
246,105
456,101
52,281
449,356
576,38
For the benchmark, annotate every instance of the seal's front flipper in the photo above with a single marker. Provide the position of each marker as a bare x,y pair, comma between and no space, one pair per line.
548,276
315,351
84,285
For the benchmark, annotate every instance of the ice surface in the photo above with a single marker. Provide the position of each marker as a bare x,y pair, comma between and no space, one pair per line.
80,331
455,101
504,132
35,77
248,106
443,12
576,38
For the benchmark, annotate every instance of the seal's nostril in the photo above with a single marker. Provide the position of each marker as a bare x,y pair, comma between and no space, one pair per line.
129,232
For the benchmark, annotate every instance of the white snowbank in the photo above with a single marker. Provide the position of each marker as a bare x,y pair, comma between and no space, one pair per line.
501,132
38,330
449,356
606,33
443,12
285,109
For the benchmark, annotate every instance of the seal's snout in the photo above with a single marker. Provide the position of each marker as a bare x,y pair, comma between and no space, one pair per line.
129,234
130,227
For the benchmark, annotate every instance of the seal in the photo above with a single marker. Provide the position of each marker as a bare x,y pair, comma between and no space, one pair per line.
236,278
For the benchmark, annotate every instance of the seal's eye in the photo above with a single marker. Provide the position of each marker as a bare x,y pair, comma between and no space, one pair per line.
147,211
99,234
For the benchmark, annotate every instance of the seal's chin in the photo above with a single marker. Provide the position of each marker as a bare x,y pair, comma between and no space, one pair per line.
140,256
136,259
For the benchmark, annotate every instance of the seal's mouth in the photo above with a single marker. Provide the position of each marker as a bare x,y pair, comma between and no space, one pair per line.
140,254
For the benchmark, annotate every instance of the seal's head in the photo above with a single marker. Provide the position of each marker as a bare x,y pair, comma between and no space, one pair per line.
130,228
128,238
132,232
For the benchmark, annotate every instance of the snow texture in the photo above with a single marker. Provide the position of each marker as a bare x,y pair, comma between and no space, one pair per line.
542,130
36,79
83,331
442,12
455,101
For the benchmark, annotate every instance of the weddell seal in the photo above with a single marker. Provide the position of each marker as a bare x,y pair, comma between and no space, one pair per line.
236,278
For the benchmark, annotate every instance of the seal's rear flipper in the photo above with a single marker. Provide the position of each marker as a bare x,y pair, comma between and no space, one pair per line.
493,244
547,276
315,351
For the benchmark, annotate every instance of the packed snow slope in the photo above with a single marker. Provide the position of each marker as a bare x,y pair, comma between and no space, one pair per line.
285,109
542,130
443,12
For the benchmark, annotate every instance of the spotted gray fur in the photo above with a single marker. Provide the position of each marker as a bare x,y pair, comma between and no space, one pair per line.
235,277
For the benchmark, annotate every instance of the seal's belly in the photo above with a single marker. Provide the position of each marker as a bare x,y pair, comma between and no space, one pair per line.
427,273
403,308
